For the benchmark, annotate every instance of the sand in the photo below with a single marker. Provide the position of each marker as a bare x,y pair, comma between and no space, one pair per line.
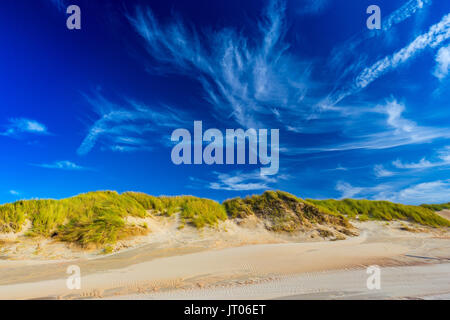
445,214
273,268
211,266
404,282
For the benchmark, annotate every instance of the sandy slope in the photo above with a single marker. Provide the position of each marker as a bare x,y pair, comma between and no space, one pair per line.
157,268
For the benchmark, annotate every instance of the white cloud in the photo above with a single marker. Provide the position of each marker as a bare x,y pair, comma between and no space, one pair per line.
124,128
14,193
243,78
422,164
444,160
251,80
394,110
338,168
239,181
444,154
404,12
348,53
443,62
435,36
62,165
425,192
398,131
347,190
381,172
18,126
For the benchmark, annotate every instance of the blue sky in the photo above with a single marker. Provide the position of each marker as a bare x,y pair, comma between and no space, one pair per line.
361,113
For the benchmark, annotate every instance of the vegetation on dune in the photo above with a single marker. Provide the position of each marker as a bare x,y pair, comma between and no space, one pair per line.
199,212
382,210
437,207
203,212
283,211
98,218
95,217
106,227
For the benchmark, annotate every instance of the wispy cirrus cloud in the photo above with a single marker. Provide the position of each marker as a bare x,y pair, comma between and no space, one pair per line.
436,35
442,63
257,80
239,180
381,172
349,57
125,128
312,6
61,165
18,126
443,159
422,164
397,131
426,192
404,12
247,78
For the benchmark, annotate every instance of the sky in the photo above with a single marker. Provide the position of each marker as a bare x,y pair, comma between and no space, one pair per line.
361,113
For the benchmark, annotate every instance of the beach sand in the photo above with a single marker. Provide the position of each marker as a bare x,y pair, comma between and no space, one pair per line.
414,264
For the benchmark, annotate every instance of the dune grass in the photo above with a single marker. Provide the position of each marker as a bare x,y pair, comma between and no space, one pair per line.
95,217
98,218
437,207
382,210
284,211
200,212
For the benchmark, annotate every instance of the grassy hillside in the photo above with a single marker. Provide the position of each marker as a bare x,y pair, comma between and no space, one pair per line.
99,217
199,212
382,210
283,211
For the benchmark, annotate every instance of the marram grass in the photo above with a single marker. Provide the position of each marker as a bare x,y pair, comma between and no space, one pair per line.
98,218
437,207
283,211
384,210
